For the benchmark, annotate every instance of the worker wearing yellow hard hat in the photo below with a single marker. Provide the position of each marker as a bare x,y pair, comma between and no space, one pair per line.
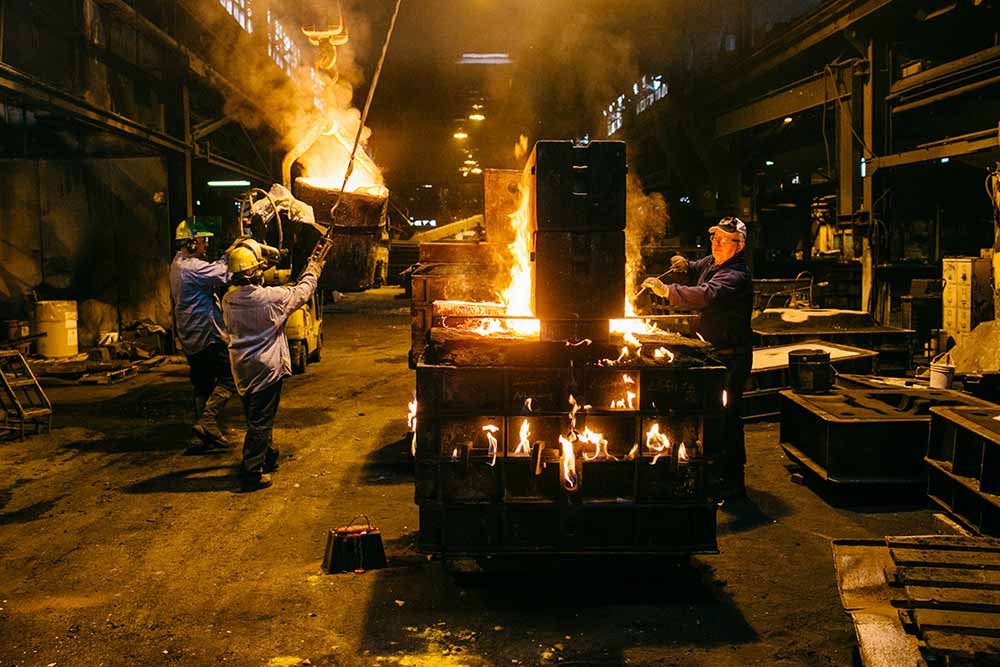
198,323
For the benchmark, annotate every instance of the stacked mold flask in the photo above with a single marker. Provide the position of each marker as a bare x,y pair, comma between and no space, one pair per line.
571,441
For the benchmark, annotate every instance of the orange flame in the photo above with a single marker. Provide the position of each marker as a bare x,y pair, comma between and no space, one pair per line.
682,454
490,430
517,295
524,444
600,445
628,402
657,442
725,398
661,352
570,477
411,423
454,454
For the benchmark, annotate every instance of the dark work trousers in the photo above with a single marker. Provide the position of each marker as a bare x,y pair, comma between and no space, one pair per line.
738,362
210,367
260,407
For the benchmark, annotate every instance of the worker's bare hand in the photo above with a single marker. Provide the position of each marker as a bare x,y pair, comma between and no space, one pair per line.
656,286
678,264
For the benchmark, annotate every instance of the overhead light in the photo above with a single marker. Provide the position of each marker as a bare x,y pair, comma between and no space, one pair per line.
485,59
477,116
788,119
461,134
768,163
427,185
945,160
471,162
476,170
228,184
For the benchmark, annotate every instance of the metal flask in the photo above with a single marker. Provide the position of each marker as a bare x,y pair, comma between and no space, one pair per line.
355,547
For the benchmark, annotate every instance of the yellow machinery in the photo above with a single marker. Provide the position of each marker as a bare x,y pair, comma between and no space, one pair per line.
304,327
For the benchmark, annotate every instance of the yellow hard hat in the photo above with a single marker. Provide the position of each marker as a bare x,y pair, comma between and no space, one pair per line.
187,231
242,258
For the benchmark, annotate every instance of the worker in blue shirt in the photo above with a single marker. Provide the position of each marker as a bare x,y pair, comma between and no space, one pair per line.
720,287
198,323
255,316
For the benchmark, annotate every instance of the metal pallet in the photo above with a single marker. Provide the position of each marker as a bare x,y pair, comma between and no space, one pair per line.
23,402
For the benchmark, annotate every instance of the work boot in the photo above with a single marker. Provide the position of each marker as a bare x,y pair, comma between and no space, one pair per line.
271,460
254,481
207,426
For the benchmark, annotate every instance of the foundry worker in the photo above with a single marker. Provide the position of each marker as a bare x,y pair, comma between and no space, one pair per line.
198,322
255,316
719,286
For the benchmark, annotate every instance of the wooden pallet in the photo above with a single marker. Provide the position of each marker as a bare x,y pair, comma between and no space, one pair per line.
931,600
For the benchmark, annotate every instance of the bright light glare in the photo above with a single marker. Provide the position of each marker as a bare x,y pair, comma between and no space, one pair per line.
461,134
477,116
228,184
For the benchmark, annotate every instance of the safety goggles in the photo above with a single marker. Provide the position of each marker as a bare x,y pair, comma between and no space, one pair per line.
722,240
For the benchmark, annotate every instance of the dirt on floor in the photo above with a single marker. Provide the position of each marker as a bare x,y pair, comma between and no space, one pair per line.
117,549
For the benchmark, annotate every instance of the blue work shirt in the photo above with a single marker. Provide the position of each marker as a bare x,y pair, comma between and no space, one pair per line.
724,296
255,319
197,317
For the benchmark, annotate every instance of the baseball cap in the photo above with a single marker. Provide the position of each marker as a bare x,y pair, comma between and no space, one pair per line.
730,226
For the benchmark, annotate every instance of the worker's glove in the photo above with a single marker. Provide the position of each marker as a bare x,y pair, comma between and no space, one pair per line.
657,287
678,264
314,266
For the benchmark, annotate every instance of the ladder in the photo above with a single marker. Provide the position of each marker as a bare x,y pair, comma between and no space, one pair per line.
22,401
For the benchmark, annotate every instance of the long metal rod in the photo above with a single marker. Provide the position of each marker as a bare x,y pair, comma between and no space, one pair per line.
323,246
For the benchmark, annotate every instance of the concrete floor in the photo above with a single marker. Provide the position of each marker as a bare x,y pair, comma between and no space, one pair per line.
116,549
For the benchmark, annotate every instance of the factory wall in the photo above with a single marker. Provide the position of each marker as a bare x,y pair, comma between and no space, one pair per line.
86,230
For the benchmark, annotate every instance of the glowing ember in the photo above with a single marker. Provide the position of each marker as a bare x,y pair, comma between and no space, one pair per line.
411,423
725,398
524,444
661,352
490,431
569,475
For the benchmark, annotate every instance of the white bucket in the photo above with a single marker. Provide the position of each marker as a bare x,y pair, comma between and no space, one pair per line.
942,375
57,320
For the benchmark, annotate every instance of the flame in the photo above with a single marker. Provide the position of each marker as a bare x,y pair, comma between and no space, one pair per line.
527,405
657,442
326,164
725,398
570,477
628,402
524,444
682,454
632,453
454,454
517,295
661,352
600,445
490,430
700,337
411,423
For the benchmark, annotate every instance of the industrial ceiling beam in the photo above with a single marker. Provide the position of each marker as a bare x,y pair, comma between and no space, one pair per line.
799,97
47,96
955,148
822,24
202,130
